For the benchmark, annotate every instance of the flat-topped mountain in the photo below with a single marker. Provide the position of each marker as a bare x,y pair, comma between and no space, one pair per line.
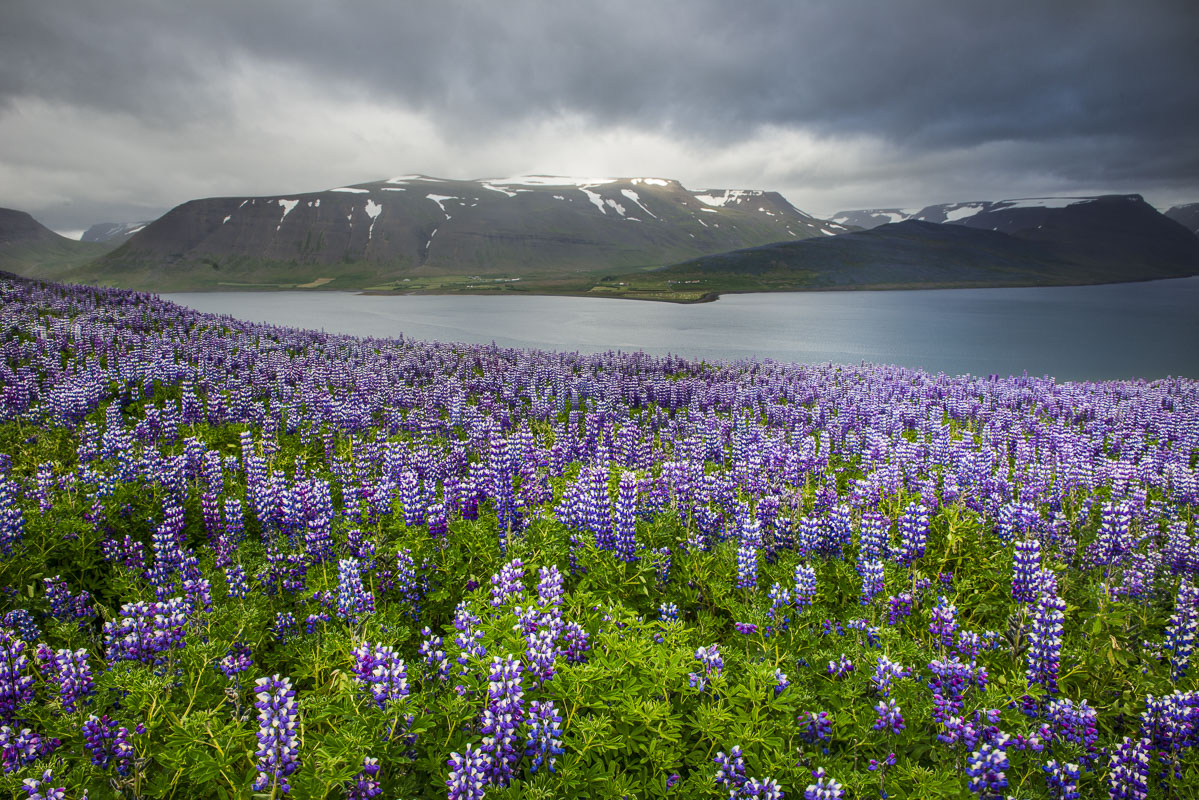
414,227
118,232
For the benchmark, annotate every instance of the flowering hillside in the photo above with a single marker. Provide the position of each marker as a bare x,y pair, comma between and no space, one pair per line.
239,560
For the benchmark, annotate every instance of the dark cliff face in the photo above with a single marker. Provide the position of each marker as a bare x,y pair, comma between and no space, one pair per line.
17,227
417,225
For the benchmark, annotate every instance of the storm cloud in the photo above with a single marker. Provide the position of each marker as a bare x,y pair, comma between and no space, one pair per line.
119,110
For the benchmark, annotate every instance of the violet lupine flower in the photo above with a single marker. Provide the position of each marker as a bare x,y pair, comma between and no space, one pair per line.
730,770
278,742
146,632
1128,770
987,768
825,788
108,743
21,622
668,612
663,564
780,602
763,788
889,717
70,670
63,604
18,748
42,790
238,659
1182,629
950,680
468,774
16,683
1062,779
435,657
873,580
943,622
781,681
886,672
353,600
624,518
366,783
873,537
12,519
380,670
745,628
469,638
898,607
913,533
815,727
235,579
805,585
1026,565
507,582
747,564
1072,722
841,667
501,717
1045,641
541,651
544,740
709,658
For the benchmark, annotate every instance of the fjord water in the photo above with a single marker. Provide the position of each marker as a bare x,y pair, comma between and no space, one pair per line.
1129,330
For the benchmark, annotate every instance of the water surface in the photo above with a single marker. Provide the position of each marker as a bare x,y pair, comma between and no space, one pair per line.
1128,330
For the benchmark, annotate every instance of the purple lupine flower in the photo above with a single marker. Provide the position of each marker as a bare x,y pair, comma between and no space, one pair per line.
825,788
278,743
1182,629
1045,641
763,789
624,518
668,612
146,632
913,533
507,582
662,560
70,670
745,628
1026,566
750,533
353,600
42,789
12,519
1062,779
1128,770
284,626
711,661
889,718
365,785
409,584
781,681
541,650
898,607
815,727
780,602
950,680
544,740
501,717
873,580
21,622
468,774
873,537
887,671
435,657
18,748
469,638
943,622
987,768
730,770
380,670
238,659
235,580
841,667
1072,722
805,585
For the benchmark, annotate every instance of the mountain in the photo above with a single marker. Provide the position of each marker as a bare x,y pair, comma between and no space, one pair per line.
867,218
1186,215
118,232
953,212
416,231
1101,240
31,249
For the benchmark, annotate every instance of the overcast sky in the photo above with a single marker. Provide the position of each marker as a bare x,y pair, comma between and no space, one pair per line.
119,110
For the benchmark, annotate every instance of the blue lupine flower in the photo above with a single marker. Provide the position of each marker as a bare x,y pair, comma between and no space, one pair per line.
278,740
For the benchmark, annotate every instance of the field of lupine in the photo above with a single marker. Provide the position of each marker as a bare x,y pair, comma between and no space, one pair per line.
240,560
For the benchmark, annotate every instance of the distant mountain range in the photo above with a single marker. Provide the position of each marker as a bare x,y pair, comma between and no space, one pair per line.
1052,241
414,227
627,237
114,232
1186,215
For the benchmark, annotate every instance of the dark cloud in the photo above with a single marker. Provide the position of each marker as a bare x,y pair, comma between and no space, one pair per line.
921,76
